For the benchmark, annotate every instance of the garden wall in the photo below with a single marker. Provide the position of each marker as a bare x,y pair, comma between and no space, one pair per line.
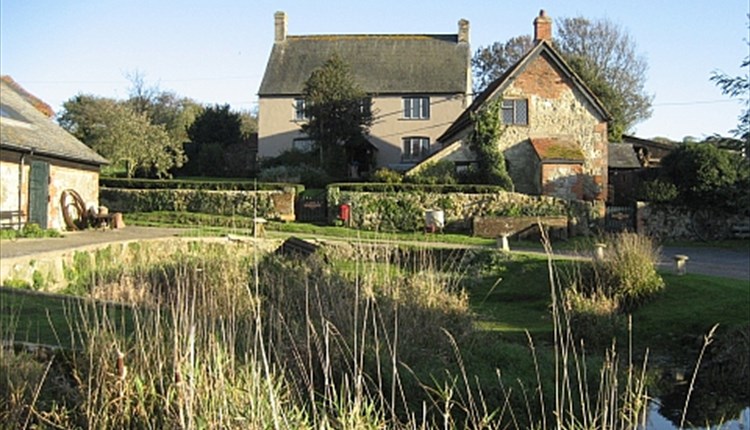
666,222
404,210
272,204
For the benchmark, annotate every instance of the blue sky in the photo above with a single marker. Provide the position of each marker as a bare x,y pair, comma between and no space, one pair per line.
215,52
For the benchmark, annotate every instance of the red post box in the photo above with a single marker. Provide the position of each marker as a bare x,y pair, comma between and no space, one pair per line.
344,212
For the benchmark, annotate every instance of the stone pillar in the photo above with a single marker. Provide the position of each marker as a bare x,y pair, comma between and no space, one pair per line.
680,264
502,243
599,251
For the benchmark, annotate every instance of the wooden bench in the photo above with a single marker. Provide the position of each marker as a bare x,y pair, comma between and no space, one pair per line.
11,219
741,230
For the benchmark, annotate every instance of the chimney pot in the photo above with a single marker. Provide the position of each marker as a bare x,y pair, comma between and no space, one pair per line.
542,27
463,31
279,26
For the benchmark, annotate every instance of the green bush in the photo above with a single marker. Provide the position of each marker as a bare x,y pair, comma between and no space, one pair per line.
657,191
210,202
193,184
310,176
441,172
387,176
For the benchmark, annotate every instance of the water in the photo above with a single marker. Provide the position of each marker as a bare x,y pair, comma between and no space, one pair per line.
656,421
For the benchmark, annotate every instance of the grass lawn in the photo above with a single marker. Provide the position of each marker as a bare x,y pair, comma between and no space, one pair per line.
48,319
688,307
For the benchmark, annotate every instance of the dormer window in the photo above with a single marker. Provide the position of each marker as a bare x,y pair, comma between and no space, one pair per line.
516,112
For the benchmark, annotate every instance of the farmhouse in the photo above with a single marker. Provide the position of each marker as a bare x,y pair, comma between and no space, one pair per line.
555,134
39,161
418,84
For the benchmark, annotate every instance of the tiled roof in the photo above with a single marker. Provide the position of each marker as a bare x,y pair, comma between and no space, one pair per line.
497,87
556,149
380,64
622,156
23,127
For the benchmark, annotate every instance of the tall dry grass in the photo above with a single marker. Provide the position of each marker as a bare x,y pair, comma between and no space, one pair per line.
222,337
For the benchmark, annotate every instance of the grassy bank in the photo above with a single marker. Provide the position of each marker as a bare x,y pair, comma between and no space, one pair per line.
378,337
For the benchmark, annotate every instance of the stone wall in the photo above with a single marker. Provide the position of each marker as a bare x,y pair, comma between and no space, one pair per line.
404,210
676,223
555,110
85,181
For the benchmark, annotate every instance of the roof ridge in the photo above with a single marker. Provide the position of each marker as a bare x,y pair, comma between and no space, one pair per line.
35,101
374,36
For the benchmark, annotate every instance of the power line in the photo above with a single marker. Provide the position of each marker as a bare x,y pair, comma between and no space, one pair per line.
694,102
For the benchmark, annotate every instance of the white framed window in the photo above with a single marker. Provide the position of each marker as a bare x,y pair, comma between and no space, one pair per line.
303,144
415,148
299,110
516,112
416,107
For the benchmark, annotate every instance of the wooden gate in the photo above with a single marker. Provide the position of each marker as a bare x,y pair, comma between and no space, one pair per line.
39,193
311,208
619,218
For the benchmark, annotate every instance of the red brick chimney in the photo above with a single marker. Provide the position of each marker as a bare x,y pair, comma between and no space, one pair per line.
542,27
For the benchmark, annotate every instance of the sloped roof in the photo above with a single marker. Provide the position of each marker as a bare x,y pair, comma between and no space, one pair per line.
23,127
551,149
499,85
380,64
622,156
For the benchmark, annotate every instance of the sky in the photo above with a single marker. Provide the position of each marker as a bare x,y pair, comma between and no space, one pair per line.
215,52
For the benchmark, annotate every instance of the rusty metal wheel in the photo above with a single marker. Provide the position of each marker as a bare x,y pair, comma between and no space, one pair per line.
74,210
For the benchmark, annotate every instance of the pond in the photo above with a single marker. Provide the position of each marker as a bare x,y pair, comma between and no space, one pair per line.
657,421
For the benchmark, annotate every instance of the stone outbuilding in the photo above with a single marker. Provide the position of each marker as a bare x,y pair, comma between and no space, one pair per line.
39,162
555,134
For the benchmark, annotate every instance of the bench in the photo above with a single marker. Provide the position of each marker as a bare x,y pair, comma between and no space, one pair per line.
741,230
11,219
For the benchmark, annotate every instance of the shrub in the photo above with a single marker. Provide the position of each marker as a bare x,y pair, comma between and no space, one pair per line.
658,191
441,172
593,317
628,270
310,176
388,176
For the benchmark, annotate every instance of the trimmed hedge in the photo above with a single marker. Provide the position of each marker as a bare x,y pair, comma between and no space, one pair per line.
378,187
193,184
203,201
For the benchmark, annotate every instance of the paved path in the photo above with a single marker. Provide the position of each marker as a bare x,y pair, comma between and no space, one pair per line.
708,261
80,239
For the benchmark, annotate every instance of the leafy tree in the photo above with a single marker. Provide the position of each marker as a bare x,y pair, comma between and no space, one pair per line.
707,177
487,129
122,135
162,107
339,117
600,52
216,125
490,62
738,86
214,135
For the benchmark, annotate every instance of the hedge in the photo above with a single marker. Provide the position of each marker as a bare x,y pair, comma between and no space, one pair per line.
203,201
377,187
193,184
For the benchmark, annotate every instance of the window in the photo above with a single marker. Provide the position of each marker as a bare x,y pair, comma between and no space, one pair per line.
415,148
516,112
299,110
366,106
417,107
303,145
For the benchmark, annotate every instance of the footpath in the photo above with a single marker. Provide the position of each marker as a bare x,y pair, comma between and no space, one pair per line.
720,262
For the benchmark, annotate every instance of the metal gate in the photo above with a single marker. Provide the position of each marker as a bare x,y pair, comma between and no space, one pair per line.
619,218
311,208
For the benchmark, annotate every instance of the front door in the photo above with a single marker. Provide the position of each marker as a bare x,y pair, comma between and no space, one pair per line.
39,193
